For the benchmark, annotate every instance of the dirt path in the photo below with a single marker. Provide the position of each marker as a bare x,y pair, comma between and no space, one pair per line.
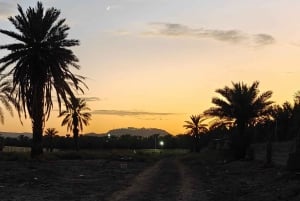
167,180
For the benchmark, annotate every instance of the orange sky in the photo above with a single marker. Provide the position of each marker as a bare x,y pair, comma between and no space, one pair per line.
154,63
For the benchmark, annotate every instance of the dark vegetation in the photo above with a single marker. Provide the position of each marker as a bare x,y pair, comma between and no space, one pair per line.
37,65
112,142
39,62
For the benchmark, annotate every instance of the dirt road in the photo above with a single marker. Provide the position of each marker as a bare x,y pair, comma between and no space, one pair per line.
167,180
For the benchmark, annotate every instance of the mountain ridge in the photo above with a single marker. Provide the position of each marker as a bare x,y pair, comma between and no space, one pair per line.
144,132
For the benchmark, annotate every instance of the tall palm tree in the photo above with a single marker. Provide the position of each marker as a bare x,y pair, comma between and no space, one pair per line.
39,62
50,133
243,105
195,128
75,117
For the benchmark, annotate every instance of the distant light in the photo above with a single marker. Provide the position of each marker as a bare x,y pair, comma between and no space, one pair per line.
108,8
108,135
161,143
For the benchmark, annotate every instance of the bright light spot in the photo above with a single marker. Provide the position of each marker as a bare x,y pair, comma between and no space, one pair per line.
108,135
161,143
108,8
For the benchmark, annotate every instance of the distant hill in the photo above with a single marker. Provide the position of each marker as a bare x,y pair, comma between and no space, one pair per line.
144,132
14,135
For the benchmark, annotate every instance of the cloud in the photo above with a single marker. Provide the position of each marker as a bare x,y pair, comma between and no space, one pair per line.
230,36
130,113
264,39
6,9
90,99
120,32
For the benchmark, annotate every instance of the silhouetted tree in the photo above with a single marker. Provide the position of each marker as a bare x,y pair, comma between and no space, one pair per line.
49,134
282,120
243,105
1,143
6,96
75,117
39,61
294,157
195,128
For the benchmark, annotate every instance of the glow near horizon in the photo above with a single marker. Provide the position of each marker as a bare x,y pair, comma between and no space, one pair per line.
161,61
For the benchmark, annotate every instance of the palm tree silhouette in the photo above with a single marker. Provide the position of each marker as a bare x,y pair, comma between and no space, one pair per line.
75,118
195,128
39,61
243,105
50,133
6,97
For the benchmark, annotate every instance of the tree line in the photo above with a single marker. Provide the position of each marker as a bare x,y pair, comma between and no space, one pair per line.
57,142
242,115
38,67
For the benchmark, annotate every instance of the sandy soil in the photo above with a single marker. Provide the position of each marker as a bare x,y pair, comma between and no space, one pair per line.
169,179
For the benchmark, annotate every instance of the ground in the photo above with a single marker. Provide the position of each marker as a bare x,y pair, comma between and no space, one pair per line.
172,178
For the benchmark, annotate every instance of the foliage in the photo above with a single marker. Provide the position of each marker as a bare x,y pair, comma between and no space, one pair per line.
242,105
6,97
39,64
48,139
196,127
75,117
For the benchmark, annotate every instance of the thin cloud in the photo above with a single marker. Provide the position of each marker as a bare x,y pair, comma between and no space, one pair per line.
297,44
90,99
120,32
230,36
130,113
264,39
6,9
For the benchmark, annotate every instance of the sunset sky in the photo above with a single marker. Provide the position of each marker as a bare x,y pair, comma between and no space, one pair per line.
153,63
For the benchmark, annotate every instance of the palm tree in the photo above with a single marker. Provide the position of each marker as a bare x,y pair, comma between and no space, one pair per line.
6,97
243,105
282,118
39,63
49,134
196,127
75,118
293,162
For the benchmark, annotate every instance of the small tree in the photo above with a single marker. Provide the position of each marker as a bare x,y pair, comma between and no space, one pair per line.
195,128
49,134
75,117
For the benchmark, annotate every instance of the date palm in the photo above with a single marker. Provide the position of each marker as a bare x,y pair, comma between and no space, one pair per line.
6,97
49,134
195,128
243,105
39,62
75,117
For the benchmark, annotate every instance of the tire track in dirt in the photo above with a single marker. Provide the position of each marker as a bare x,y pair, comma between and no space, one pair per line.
167,180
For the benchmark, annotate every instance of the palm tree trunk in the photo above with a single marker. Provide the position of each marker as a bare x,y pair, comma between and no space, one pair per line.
197,147
37,116
75,136
240,142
